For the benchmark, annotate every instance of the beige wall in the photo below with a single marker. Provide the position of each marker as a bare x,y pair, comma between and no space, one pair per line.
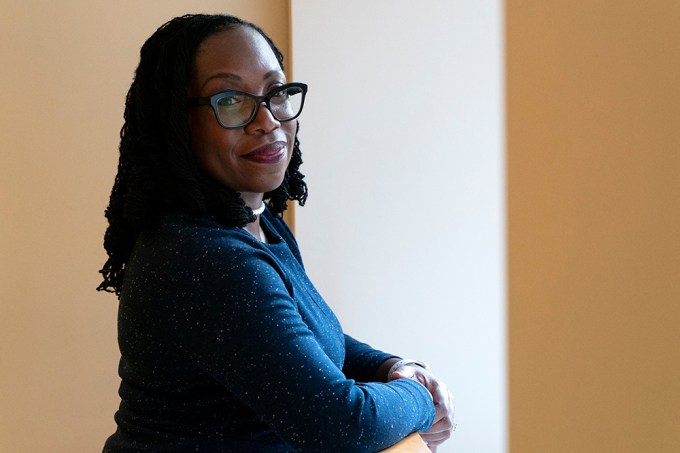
66,67
593,150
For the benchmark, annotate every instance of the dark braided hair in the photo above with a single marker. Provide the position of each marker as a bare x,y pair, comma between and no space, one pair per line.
157,172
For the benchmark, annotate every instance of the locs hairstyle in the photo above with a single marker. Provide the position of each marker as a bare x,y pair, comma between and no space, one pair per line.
157,172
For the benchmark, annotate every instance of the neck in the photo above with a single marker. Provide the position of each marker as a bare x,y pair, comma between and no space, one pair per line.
260,209
252,199
255,229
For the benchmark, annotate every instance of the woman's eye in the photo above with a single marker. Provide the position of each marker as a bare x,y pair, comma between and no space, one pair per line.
230,100
280,94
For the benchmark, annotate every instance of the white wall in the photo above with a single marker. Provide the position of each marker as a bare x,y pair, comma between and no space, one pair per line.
403,232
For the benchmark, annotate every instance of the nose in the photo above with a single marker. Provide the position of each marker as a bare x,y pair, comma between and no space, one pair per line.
264,120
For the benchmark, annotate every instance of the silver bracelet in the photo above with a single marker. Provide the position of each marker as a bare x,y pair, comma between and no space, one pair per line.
404,362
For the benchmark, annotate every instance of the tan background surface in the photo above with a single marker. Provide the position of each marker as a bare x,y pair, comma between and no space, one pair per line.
66,67
593,150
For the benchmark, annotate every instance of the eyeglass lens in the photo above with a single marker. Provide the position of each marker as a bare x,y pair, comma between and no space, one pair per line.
236,109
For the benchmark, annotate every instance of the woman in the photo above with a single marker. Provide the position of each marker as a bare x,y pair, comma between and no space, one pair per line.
225,344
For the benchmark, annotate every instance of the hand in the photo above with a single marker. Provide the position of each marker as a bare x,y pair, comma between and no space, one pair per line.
444,423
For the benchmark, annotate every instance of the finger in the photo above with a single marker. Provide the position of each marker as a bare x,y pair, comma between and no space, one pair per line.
436,387
443,425
433,440
406,372
442,409
436,437
439,391
443,401
448,408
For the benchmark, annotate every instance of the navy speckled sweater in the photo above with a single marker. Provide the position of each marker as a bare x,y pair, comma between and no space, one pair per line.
227,347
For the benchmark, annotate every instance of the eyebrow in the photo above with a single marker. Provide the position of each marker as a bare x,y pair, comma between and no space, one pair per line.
232,76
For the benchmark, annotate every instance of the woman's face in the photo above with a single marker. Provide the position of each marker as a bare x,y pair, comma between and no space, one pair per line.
252,159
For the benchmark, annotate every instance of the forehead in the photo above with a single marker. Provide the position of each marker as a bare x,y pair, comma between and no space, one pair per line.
240,51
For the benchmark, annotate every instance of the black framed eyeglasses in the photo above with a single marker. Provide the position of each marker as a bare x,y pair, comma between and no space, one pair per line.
235,109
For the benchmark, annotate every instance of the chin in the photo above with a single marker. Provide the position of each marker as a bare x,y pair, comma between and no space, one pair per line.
267,186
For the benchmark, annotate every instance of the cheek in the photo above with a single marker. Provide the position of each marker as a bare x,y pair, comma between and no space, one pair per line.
290,129
196,131
205,132
200,143
211,144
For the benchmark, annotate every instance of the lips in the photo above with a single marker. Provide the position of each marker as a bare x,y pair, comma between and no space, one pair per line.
267,154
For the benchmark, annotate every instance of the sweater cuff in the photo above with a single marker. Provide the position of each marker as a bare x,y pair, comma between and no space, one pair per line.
421,398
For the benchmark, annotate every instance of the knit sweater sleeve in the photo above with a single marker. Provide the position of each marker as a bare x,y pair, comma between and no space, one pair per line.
361,360
233,314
